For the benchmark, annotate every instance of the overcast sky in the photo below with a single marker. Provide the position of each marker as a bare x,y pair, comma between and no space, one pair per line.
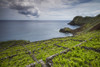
47,9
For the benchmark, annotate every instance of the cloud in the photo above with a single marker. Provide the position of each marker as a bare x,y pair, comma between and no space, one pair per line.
58,3
89,8
53,9
25,7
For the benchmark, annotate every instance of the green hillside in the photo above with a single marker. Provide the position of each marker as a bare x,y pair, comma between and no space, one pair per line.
81,50
79,20
86,24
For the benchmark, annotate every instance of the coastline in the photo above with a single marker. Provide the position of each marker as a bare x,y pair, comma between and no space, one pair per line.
84,48
86,24
46,30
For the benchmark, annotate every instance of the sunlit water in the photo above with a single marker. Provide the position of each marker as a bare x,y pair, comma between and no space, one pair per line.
32,30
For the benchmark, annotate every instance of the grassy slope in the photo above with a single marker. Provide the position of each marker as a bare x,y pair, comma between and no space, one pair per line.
79,20
77,57
16,53
87,23
80,57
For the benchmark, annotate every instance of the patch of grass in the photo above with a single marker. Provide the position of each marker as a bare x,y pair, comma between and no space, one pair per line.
78,58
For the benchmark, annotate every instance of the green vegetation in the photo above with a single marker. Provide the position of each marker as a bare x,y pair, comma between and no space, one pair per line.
78,57
81,57
79,20
86,23
81,50
17,56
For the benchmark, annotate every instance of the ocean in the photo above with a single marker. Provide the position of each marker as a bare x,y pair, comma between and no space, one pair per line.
33,30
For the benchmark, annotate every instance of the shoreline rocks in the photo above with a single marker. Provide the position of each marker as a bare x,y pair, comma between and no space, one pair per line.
66,29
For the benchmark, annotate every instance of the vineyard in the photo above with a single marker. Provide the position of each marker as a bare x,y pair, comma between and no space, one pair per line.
82,50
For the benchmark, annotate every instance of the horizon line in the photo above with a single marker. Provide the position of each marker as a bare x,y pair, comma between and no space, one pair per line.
34,20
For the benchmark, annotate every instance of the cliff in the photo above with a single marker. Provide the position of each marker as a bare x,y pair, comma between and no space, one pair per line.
79,20
86,24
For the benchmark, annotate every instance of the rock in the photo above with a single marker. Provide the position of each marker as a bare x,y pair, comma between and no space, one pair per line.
66,29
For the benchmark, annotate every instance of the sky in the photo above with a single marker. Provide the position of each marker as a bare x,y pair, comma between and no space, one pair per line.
47,9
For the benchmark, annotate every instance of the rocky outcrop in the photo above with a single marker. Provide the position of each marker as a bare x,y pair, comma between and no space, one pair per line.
66,29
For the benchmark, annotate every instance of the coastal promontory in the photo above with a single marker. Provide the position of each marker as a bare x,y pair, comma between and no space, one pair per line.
86,24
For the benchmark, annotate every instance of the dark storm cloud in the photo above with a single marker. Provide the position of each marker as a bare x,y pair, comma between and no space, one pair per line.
25,7
29,12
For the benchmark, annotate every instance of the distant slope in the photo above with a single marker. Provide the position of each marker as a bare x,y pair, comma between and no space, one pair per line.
79,20
86,23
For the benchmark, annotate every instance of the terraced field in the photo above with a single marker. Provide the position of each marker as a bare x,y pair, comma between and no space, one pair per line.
82,50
